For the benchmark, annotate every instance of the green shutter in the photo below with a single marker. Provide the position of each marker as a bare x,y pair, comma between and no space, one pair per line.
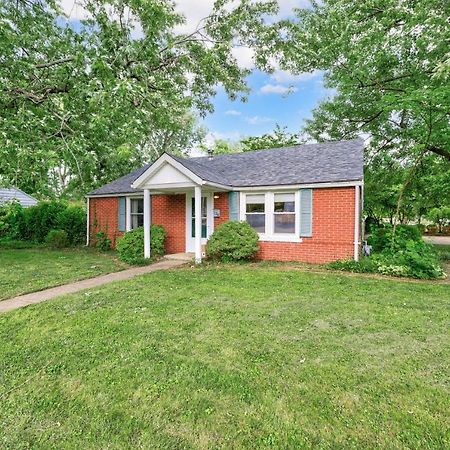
306,212
233,205
122,212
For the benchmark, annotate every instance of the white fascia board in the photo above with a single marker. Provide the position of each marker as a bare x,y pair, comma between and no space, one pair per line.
139,183
284,187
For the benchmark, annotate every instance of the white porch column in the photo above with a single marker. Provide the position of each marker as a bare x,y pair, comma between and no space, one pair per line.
147,213
198,224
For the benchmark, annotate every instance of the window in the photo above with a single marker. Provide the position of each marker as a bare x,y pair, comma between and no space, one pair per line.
136,212
255,212
284,213
274,215
204,217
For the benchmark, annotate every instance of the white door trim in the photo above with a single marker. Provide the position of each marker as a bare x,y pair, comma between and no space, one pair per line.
190,241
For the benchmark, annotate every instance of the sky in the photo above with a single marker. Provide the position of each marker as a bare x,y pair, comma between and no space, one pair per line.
279,98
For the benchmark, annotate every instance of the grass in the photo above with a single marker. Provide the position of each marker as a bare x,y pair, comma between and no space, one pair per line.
229,357
34,269
443,252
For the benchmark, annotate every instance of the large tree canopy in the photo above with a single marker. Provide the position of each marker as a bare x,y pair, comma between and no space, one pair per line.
389,63
84,102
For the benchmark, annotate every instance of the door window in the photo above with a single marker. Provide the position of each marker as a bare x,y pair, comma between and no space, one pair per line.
204,217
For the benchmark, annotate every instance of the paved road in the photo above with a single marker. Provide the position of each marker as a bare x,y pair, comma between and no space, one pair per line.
439,240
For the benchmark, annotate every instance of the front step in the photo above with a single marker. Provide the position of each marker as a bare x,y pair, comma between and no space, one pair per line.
188,257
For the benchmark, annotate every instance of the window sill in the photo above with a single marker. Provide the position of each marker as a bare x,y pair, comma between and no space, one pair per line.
279,238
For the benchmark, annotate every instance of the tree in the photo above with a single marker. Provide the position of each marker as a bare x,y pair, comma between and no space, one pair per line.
279,137
389,64
83,103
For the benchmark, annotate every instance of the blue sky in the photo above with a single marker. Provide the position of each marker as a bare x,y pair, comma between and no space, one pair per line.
267,105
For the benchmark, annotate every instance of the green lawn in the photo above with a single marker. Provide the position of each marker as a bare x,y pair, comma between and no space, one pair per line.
230,357
34,269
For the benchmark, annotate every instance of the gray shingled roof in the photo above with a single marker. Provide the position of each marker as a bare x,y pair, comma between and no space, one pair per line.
13,193
300,164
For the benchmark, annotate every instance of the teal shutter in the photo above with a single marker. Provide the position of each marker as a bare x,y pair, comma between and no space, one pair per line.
233,205
122,212
306,212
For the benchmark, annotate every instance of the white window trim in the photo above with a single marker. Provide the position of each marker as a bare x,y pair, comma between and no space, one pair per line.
269,206
128,211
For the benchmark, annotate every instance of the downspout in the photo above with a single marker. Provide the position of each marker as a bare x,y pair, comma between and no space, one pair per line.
357,224
87,224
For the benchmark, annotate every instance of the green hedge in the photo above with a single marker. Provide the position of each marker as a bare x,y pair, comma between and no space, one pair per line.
34,223
130,246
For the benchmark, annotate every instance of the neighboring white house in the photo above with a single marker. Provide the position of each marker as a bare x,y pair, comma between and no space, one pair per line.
13,193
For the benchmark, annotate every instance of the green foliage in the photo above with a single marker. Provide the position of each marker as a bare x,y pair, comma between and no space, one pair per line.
73,221
440,216
383,238
233,241
57,239
279,137
82,105
11,219
402,253
130,246
102,242
33,224
8,243
389,66
364,265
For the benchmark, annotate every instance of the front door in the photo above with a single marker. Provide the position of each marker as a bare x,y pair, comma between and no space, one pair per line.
207,220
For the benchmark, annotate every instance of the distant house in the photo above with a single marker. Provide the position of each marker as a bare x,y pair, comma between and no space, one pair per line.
304,201
13,193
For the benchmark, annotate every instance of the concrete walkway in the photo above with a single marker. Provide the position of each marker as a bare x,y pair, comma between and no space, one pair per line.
47,294
437,240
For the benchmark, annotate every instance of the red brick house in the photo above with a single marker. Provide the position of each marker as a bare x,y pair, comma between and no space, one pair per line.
304,201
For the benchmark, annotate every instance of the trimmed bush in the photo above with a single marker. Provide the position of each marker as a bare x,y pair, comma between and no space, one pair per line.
130,246
57,239
233,241
42,218
382,237
11,219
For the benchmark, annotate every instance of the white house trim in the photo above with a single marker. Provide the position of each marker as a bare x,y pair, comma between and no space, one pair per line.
147,215
88,223
142,180
287,187
357,223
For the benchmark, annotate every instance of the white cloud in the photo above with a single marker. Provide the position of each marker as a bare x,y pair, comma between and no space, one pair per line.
283,76
244,57
257,120
232,112
277,89
74,9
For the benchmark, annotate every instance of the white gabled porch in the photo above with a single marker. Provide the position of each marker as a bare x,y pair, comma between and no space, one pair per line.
168,176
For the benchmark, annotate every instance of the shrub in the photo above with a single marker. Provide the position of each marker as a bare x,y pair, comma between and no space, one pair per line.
233,241
440,216
365,265
14,244
383,237
42,218
57,239
73,221
131,245
11,219
102,241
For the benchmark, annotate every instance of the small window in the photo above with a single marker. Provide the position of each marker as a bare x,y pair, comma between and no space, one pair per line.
137,212
255,212
284,213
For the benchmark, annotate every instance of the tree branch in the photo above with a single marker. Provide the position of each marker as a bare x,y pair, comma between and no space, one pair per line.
54,63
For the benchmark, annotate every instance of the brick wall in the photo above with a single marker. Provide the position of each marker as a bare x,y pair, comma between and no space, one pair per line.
222,204
103,216
333,222
333,230
167,210
170,212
